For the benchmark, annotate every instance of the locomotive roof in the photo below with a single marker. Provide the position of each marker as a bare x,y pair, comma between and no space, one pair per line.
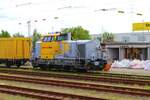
54,34
51,35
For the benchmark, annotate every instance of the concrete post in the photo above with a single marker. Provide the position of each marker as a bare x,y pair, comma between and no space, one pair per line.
148,53
121,53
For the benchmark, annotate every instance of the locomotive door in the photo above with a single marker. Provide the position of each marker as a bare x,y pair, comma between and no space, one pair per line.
81,51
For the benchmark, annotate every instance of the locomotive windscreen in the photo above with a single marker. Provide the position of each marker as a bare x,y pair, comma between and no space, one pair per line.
60,37
48,39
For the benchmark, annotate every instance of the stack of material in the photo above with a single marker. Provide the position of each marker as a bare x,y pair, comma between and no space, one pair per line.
136,64
147,65
125,63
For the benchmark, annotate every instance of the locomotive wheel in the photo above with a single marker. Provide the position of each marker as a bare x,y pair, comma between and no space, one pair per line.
8,65
88,66
18,65
44,67
66,68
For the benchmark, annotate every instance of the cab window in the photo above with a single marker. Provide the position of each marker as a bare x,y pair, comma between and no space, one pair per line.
48,39
45,39
61,37
53,38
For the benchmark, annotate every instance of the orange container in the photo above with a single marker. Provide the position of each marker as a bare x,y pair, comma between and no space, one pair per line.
15,48
107,67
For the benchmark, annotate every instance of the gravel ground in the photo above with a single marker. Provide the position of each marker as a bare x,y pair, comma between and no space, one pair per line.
130,71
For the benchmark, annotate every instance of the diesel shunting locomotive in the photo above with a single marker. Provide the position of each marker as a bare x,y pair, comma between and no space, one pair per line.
59,51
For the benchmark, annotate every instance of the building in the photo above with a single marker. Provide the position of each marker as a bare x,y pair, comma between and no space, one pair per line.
134,45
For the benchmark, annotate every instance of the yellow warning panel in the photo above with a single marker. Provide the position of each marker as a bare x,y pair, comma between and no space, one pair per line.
141,26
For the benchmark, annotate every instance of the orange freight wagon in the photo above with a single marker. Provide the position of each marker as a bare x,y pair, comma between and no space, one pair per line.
15,51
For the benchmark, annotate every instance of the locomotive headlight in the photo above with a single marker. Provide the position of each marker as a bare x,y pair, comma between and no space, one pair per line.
96,63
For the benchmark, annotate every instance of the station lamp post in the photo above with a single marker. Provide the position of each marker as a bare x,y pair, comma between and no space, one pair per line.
53,28
29,22
29,28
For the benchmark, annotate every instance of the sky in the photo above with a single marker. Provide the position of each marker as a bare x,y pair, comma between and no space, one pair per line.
14,15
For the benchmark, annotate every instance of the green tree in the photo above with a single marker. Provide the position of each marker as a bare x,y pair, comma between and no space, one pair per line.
36,37
77,33
4,34
18,35
107,37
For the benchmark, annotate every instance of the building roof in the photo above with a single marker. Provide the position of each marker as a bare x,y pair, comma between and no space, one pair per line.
127,43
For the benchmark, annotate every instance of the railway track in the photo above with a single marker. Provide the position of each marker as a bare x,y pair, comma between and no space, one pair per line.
42,94
89,86
82,77
120,75
105,74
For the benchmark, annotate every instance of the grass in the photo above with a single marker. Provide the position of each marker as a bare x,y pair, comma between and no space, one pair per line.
112,96
13,97
147,87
